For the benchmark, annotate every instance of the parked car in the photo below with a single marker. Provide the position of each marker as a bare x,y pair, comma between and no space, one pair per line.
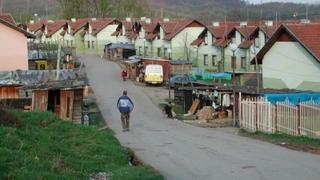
153,74
181,80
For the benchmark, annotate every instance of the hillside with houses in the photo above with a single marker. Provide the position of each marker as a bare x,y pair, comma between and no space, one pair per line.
190,89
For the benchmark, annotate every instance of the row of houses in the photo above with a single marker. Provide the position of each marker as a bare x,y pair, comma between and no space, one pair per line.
208,47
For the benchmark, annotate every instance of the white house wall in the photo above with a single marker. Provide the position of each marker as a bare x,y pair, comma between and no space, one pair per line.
104,37
181,43
289,65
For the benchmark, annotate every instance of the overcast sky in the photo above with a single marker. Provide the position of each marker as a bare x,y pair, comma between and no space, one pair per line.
296,1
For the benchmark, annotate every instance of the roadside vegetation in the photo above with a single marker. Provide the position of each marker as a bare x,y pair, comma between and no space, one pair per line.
299,143
42,146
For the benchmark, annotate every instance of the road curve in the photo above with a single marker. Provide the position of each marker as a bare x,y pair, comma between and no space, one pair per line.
182,152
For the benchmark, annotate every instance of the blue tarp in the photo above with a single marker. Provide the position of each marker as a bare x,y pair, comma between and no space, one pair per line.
294,98
210,76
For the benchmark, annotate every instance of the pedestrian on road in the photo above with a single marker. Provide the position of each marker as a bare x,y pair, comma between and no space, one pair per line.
124,74
125,106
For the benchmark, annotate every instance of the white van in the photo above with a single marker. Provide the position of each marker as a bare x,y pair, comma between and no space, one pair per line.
153,74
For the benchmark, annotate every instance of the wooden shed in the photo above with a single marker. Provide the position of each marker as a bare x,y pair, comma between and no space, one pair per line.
119,51
66,103
180,67
62,95
9,91
134,67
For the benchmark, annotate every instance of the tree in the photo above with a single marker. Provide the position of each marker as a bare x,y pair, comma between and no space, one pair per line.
103,8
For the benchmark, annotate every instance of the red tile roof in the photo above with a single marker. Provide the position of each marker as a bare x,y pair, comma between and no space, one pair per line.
36,25
16,28
78,24
151,36
220,31
246,31
268,30
53,27
245,44
8,18
173,27
197,42
99,24
308,35
222,42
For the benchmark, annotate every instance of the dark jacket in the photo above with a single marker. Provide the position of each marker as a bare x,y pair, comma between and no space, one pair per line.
125,105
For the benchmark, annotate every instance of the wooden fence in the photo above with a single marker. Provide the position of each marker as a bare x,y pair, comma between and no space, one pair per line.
258,114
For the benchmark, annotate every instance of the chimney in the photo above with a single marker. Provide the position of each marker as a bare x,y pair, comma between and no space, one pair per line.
93,19
268,23
50,21
166,20
305,21
243,23
148,20
128,19
143,18
216,24
73,19
31,21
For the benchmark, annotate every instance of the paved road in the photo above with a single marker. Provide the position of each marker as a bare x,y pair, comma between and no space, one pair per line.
180,151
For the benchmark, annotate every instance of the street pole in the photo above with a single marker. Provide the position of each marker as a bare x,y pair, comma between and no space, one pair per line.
58,61
234,88
254,51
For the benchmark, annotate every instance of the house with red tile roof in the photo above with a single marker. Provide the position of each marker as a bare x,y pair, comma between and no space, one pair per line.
99,33
75,34
172,38
146,30
124,31
243,36
291,58
37,28
13,46
209,47
54,31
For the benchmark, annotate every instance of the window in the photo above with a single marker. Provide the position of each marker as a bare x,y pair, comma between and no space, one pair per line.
67,43
146,50
159,52
243,62
206,40
88,44
140,53
92,44
205,60
165,52
257,42
214,58
233,40
71,43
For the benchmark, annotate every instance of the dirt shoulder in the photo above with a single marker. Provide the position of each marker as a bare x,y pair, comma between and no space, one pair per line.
304,144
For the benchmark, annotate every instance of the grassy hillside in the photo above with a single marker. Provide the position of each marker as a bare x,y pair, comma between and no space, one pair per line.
41,146
204,10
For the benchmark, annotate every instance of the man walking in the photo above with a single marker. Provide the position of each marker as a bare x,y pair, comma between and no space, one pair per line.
125,106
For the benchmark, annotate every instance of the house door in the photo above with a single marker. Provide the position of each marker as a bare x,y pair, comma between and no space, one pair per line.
54,101
67,99
39,100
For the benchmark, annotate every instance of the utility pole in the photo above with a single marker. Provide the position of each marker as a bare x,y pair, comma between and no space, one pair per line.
307,11
58,61
1,6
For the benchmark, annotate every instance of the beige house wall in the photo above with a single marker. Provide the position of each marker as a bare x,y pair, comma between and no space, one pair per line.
13,49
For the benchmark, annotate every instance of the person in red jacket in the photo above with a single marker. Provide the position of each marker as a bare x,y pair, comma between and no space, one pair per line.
124,74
